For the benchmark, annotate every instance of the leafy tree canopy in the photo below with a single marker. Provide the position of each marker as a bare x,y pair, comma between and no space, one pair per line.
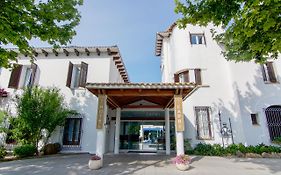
52,21
252,27
39,111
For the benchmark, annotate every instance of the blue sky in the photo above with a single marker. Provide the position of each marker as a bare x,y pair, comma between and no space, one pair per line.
130,24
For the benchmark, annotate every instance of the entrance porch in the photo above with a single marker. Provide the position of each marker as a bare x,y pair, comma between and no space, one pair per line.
127,108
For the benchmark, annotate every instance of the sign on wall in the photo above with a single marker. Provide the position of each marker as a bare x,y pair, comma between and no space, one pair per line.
100,115
179,119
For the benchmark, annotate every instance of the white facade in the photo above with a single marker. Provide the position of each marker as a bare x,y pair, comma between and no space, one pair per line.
236,90
104,65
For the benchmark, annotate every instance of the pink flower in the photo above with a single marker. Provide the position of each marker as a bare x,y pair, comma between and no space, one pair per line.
95,157
182,159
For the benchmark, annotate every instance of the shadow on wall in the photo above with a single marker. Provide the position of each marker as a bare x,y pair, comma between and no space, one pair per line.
251,98
86,104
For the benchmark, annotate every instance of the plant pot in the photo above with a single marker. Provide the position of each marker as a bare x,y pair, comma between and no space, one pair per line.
95,164
182,167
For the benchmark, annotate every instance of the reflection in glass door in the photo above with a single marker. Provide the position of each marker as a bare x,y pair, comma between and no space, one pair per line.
142,136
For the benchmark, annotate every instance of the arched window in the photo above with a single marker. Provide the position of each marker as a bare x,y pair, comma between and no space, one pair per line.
273,117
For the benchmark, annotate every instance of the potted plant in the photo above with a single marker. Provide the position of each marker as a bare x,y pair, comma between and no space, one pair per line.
95,162
182,162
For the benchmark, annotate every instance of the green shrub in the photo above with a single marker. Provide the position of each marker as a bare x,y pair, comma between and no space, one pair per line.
232,149
3,152
25,150
277,140
57,146
203,149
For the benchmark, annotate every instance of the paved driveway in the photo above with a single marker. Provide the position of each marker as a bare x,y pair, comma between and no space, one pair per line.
139,164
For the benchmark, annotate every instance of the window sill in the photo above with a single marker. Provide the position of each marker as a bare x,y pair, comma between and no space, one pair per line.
268,82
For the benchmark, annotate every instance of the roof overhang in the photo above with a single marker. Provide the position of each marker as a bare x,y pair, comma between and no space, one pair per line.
112,51
123,94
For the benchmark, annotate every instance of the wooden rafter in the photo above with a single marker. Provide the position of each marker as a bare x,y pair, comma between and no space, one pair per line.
98,51
87,52
45,52
55,52
76,52
66,52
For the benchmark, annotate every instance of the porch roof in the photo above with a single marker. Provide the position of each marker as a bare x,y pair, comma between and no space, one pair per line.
123,94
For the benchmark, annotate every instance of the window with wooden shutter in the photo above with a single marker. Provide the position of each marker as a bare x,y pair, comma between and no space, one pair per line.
15,77
33,74
203,122
268,73
198,79
83,74
69,75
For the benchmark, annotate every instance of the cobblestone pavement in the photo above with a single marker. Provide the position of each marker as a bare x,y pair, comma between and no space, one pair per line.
125,164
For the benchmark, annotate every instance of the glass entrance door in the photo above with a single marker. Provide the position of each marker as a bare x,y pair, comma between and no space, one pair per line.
142,136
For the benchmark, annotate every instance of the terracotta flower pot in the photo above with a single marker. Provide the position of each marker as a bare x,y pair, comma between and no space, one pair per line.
95,164
182,167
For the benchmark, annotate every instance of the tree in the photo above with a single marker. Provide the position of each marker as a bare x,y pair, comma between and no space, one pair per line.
39,111
52,21
252,28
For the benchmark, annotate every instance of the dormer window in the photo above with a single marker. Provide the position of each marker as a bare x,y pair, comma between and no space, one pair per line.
197,39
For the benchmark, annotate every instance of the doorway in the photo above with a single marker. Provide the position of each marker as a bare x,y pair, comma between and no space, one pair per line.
142,136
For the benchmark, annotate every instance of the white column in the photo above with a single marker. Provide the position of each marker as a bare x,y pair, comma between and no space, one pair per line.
167,131
180,143
117,131
101,133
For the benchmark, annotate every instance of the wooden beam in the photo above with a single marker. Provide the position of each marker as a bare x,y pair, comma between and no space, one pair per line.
45,52
66,52
98,51
130,92
119,66
87,52
117,62
35,53
109,51
55,52
116,58
76,52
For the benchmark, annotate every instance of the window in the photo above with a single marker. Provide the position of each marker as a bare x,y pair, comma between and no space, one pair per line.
273,117
254,118
268,72
197,39
72,131
203,123
182,77
77,75
23,76
191,75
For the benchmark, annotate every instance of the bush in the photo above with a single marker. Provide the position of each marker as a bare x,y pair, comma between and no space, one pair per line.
25,150
58,146
218,150
3,152
277,140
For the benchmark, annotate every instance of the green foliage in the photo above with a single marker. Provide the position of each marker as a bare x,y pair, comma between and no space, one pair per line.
25,150
3,152
277,140
218,150
252,28
52,21
39,111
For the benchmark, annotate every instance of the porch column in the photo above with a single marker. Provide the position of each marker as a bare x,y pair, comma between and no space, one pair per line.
100,128
167,131
179,122
117,131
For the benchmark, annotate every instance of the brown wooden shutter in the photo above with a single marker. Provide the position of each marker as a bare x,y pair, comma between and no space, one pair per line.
271,74
190,38
263,72
83,74
15,77
186,76
33,75
69,75
198,79
176,78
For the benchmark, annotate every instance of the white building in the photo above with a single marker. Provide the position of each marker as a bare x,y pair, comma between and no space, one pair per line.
247,94
198,88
